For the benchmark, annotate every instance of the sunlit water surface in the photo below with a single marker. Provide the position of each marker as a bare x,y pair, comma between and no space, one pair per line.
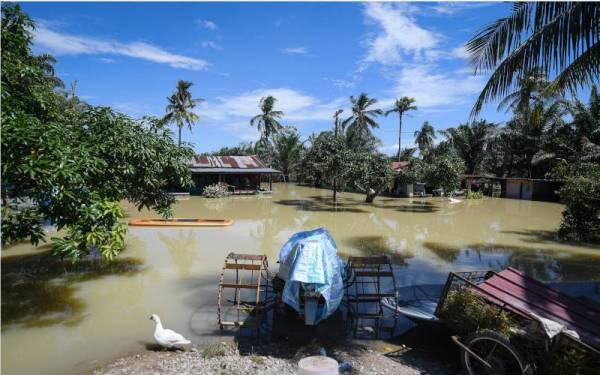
68,319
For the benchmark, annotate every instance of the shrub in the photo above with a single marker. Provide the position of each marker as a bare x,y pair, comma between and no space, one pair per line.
468,313
217,190
474,195
581,195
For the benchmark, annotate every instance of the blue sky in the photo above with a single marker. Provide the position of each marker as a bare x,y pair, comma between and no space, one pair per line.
310,56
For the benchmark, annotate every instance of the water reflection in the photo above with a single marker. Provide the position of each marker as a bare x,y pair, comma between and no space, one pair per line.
545,265
39,290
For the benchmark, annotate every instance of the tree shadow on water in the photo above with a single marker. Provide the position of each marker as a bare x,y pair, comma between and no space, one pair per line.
38,290
319,203
377,245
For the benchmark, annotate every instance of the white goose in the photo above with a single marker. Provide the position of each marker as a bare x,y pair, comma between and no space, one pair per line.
453,200
166,337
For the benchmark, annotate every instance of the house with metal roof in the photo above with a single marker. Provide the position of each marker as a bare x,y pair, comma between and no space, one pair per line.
243,174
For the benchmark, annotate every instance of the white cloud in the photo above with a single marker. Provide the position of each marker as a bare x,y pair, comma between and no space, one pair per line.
342,83
106,60
207,24
233,113
451,8
400,35
295,50
212,45
65,44
432,88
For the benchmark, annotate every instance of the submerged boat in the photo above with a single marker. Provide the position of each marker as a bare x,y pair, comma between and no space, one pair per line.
181,222
313,275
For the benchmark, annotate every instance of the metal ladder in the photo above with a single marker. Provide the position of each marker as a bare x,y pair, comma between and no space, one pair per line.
363,290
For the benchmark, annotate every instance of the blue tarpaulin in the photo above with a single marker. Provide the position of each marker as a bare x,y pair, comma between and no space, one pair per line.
309,262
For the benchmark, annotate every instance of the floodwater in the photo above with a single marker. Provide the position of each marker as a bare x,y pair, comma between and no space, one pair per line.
64,319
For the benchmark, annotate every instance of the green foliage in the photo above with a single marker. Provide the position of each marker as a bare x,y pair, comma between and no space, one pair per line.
287,151
468,313
470,142
359,135
327,161
180,109
474,195
370,173
424,139
268,120
580,193
401,106
445,172
550,37
68,162
413,172
98,228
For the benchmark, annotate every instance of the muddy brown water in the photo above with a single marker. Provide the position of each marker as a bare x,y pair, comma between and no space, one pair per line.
65,319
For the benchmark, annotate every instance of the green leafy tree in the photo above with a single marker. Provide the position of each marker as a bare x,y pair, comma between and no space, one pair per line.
371,173
424,138
180,109
580,193
359,124
548,36
401,106
70,163
328,160
445,172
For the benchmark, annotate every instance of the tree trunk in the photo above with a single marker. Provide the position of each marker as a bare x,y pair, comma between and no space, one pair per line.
399,136
179,143
371,194
334,190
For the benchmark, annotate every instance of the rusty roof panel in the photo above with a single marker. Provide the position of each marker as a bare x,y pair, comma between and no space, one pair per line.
243,162
527,296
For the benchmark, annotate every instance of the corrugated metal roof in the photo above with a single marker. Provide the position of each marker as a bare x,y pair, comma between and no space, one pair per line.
525,295
240,162
234,170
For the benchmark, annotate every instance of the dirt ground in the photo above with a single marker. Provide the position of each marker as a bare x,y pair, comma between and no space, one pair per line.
420,350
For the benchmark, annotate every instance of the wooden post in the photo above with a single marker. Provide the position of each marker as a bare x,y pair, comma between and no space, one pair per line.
270,183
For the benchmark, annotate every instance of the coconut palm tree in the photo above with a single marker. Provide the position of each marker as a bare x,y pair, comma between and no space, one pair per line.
401,105
180,109
470,142
267,121
338,128
560,37
362,121
288,149
424,138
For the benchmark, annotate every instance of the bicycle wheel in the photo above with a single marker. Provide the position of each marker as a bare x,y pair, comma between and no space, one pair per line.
496,350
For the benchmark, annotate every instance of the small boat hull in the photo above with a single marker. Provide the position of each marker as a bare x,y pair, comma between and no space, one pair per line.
142,222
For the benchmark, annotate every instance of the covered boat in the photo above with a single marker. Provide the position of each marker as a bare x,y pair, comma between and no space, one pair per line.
313,275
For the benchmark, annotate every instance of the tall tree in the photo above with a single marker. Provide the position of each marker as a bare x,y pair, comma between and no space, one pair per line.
424,139
470,142
560,37
401,106
287,147
180,109
338,127
268,120
362,121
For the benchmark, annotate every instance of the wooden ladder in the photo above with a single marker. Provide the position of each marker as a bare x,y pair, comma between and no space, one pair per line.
364,292
247,276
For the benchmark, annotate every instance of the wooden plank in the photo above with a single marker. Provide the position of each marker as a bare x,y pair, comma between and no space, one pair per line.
242,266
246,256
240,286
